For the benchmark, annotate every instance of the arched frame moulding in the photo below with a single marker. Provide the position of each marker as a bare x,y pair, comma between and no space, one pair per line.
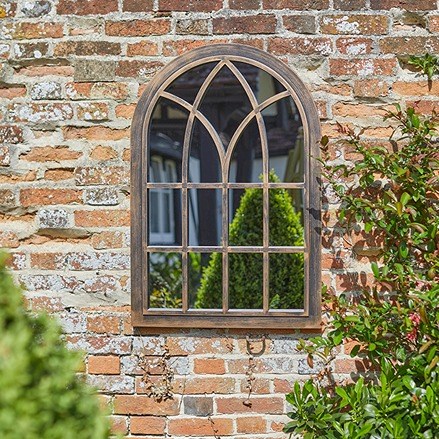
225,55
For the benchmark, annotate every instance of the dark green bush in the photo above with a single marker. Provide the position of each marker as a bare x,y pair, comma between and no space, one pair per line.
245,270
41,396
393,325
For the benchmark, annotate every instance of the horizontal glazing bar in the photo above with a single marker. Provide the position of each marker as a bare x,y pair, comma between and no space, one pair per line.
224,185
230,312
219,249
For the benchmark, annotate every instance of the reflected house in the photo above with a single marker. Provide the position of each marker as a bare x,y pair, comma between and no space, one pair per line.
226,106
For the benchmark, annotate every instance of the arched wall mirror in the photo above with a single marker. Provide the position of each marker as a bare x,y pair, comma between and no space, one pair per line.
225,194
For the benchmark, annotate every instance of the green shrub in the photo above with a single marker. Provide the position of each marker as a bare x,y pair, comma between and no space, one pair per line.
245,270
394,325
41,397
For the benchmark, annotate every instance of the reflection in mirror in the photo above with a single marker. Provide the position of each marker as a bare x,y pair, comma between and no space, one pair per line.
246,227
286,218
245,280
166,134
188,84
246,163
285,140
204,163
205,280
164,280
286,281
164,211
205,207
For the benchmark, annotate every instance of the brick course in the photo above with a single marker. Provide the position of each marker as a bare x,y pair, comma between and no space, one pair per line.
71,73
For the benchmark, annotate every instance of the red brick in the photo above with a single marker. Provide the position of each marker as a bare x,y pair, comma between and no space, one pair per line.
58,174
95,133
253,24
204,385
30,31
102,218
37,197
125,111
47,70
86,48
119,425
50,153
296,4
244,4
253,424
190,5
45,261
147,425
134,69
433,23
178,47
12,92
143,48
424,106
349,5
417,88
201,427
409,5
354,24
362,67
137,5
8,240
103,365
271,405
144,405
371,88
103,153
353,281
103,324
347,109
300,46
409,45
97,90
214,366
138,28
86,7
107,240
354,46
301,24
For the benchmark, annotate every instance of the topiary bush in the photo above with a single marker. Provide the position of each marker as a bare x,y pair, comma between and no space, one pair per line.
41,396
393,327
245,269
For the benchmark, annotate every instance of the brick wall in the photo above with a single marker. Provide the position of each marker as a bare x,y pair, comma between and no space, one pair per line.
71,73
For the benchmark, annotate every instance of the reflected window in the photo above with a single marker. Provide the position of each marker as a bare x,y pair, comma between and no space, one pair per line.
231,194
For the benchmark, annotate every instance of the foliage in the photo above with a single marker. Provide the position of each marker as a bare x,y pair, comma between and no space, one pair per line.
41,396
394,325
245,269
427,64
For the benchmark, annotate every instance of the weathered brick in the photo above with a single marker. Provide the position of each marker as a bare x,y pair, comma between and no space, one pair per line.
244,4
7,199
354,46
8,9
370,88
97,90
253,24
296,4
190,5
53,218
271,405
102,218
28,31
42,196
424,106
40,113
103,153
147,425
138,69
88,7
137,5
198,405
105,240
50,153
93,111
100,133
410,5
93,70
103,324
36,9
201,427
11,134
143,405
349,5
409,45
46,90
86,48
101,196
12,92
101,175
143,48
30,50
189,26
8,239
100,344
253,424
178,47
5,157
138,28
300,46
354,24
433,23
362,67
119,425
301,24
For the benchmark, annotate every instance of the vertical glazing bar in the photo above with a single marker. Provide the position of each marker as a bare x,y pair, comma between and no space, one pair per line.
184,256
225,243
